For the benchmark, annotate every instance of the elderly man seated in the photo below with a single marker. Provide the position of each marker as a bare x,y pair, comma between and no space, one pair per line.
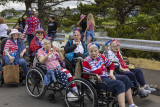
51,57
76,46
135,75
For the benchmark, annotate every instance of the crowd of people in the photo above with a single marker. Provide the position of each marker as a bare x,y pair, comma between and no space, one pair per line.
82,45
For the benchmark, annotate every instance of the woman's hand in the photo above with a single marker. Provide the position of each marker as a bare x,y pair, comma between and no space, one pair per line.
21,55
11,58
99,78
112,76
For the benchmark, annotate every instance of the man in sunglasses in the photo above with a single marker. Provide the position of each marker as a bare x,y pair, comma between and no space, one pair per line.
36,43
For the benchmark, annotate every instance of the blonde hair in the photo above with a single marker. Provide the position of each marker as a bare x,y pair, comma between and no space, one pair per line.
91,18
2,20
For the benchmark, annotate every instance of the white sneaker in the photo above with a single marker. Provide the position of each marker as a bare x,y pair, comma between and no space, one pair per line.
72,97
149,88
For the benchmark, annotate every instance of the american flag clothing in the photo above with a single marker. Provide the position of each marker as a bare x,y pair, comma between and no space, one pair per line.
117,57
33,24
14,48
53,60
97,67
10,47
53,63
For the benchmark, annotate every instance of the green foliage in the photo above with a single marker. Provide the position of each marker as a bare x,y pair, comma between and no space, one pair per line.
144,28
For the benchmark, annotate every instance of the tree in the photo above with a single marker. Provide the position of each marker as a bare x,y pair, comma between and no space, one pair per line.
119,8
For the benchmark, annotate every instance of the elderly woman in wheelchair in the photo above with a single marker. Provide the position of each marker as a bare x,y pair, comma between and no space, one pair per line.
75,48
119,84
14,50
51,57
136,75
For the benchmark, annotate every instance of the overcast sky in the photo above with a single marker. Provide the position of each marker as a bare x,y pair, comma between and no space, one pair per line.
21,6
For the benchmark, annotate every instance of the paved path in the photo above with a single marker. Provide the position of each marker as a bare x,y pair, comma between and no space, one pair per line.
19,97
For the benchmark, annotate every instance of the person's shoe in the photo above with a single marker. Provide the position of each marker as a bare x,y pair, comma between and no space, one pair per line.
144,93
149,88
133,105
72,97
29,82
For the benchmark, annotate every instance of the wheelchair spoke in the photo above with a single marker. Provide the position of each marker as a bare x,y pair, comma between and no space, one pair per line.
33,88
38,89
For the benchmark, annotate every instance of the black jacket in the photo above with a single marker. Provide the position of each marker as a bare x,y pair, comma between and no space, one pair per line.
70,48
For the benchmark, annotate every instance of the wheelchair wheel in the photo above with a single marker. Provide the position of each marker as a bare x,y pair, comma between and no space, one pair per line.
34,82
115,104
86,96
1,78
69,66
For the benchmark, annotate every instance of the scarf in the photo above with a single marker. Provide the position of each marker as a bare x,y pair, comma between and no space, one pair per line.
121,61
21,47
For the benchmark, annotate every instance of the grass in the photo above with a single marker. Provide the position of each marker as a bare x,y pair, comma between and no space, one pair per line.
145,63
11,20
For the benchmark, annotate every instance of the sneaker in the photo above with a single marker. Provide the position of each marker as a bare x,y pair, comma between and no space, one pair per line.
133,105
144,93
29,82
72,97
149,88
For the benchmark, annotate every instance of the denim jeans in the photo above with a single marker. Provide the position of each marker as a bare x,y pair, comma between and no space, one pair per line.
120,85
90,33
29,38
21,62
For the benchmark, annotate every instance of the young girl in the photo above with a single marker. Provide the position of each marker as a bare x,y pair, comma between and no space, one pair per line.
89,32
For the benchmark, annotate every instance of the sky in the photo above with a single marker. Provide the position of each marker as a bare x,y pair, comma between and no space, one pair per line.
21,6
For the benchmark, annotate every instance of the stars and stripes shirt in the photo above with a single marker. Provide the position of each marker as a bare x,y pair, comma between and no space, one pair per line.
98,67
33,24
10,47
53,60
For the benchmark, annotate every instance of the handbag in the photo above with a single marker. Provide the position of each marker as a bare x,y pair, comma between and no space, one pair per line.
11,74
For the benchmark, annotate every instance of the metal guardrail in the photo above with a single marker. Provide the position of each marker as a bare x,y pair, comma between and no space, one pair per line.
136,44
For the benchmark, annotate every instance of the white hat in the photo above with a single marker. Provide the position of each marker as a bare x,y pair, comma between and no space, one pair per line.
14,31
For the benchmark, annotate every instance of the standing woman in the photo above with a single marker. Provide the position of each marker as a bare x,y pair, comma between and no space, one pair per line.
14,50
3,29
89,32
21,24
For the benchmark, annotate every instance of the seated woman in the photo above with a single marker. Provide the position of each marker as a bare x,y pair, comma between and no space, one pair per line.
120,84
51,57
135,75
39,35
77,46
14,50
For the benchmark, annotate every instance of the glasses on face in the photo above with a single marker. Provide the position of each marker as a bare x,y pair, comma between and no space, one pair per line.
38,32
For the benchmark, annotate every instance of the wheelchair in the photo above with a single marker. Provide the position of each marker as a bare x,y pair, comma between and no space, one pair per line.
89,94
21,72
117,69
35,83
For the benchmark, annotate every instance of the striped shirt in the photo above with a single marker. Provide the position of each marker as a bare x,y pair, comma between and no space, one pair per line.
10,47
53,60
97,67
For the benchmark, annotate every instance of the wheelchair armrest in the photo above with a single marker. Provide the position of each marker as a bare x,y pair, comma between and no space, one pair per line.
90,74
39,64
78,58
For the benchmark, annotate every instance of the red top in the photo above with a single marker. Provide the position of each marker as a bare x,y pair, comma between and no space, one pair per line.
97,67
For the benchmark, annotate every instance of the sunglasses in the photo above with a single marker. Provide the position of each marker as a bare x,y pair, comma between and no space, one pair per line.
39,32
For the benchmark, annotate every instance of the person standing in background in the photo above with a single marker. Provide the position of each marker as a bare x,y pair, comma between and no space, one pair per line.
21,24
83,23
52,26
89,32
32,23
3,29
